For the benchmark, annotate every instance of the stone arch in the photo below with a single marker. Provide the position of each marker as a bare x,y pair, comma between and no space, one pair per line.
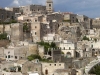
93,67
92,64
68,55
8,37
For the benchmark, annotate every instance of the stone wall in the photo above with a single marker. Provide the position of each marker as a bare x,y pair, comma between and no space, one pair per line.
31,67
4,43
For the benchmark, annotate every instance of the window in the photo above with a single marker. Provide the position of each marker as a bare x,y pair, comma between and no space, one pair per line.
15,57
35,26
49,5
35,20
49,8
35,33
50,64
16,10
8,56
69,48
46,71
59,64
92,46
2,16
58,25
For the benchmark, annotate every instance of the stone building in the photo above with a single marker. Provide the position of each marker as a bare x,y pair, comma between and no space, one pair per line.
13,9
50,68
82,18
71,18
16,53
29,66
55,16
96,23
34,9
36,31
5,14
16,32
49,6
56,55
68,48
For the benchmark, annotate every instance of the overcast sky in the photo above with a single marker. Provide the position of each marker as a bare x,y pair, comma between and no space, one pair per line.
89,8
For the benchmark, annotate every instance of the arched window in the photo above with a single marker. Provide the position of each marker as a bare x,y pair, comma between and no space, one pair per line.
46,71
68,54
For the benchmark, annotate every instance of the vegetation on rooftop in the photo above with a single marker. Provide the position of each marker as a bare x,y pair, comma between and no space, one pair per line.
66,20
85,38
34,56
12,21
47,45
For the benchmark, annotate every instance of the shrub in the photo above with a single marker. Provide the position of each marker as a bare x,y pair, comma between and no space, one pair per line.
32,57
85,38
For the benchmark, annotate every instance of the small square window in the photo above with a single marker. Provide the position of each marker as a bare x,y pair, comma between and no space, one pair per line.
35,26
8,56
15,57
59,64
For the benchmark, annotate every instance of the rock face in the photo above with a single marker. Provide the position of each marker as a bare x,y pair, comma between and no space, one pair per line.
4,43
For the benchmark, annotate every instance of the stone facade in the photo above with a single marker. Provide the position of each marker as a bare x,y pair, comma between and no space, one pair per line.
34,9
56,55
16,32
49,68
49,6
5,14
31,67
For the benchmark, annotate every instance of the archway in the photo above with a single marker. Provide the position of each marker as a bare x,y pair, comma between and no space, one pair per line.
68,55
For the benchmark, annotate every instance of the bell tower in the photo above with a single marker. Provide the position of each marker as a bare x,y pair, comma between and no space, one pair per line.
49,6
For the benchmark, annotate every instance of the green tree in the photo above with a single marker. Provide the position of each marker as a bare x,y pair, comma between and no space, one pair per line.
95,70
85,38
47,45
53,45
